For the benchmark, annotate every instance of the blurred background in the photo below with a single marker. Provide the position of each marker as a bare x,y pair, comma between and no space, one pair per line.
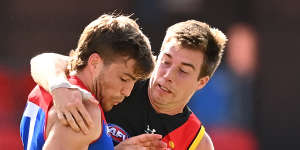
251,103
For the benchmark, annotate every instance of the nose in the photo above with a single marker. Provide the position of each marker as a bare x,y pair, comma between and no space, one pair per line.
126,90
169,74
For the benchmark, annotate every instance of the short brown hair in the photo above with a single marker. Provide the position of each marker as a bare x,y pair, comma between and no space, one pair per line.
197,35
111,37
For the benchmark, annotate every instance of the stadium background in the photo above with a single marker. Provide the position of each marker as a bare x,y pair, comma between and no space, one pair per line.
252,102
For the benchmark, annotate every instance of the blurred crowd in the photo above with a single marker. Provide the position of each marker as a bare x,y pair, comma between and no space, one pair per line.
226,103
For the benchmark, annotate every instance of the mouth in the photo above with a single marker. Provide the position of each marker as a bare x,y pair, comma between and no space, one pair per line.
165,89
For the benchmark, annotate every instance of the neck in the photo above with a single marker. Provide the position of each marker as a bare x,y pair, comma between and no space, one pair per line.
84,75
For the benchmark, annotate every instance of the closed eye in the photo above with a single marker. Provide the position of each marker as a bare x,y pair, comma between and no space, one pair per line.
165,62
124,80
182,71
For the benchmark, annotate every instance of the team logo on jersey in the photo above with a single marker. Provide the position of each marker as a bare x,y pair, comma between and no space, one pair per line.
149,131
117,133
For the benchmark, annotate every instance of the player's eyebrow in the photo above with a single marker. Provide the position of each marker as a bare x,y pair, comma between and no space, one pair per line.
183,63
130,75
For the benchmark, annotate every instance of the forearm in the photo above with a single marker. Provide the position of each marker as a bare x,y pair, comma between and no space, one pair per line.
48,67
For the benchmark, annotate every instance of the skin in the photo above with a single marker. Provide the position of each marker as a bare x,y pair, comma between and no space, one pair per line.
111,83
60,137
64,104
96,77
205,143
175,78
173,82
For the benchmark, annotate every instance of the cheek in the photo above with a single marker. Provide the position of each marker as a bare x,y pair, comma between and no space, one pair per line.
106,90
185,87
158,67
159,71
114,87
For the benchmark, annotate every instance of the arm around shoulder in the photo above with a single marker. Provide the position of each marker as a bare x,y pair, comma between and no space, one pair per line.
49,71
48,67
206,143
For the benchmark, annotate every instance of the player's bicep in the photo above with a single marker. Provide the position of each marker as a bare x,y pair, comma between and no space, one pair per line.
62,137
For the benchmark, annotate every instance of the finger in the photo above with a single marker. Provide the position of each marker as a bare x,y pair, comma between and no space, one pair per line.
79,121
61,118
156,144
85,115
147,137
71,121
151,140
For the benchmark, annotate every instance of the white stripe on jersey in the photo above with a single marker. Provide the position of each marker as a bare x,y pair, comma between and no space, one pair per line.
31,111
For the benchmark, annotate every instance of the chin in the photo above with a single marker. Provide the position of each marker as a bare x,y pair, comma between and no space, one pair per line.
160,100
106,108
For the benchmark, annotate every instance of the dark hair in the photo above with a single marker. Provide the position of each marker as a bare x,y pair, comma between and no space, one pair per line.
111,37
200,36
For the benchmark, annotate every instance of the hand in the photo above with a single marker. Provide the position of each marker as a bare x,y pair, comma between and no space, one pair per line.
143,142
70,109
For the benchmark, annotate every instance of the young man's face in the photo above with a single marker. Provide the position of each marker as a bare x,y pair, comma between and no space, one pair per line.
174,79
114,82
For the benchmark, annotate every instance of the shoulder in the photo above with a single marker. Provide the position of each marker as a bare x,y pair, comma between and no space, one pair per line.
206,143
192,119
202,138
41,98
97,117
95,111
59,134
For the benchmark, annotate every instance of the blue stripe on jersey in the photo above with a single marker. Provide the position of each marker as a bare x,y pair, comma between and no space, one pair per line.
24,131
32,127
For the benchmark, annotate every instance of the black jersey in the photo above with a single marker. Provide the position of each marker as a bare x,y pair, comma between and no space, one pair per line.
135,116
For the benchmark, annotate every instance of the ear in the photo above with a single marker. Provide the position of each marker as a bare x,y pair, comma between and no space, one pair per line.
202,82
95,62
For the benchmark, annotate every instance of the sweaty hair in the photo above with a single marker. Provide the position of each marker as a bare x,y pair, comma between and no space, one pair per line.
199,36
113,37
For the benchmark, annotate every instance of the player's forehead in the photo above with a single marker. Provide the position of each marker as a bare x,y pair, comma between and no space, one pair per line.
124,66
185,56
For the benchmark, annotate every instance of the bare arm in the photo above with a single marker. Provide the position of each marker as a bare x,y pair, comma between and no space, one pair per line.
60,137
206,143
48,69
